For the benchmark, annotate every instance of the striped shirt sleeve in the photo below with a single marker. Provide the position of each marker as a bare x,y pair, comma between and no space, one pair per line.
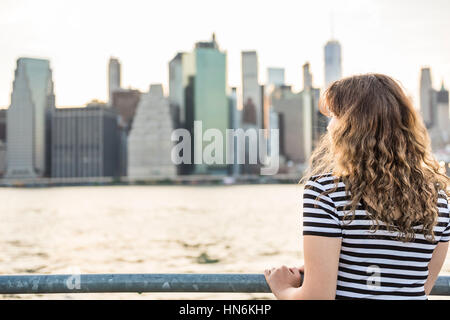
445,237
320,216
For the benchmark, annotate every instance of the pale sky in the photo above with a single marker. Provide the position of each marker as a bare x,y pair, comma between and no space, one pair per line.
396,37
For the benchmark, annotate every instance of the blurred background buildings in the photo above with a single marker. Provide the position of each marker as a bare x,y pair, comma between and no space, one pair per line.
130,134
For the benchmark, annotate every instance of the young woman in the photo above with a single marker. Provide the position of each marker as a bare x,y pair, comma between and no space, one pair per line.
375,203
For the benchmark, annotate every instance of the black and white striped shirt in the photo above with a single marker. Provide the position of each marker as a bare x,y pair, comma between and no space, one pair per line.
371,265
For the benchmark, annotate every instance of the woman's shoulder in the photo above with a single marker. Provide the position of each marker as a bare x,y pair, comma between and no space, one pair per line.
325,179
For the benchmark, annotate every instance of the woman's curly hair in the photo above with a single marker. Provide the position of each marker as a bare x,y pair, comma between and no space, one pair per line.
381,150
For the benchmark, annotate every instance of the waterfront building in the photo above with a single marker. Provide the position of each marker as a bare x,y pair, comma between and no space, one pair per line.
442,110
440,131
149,141
85,142
204,87
28,120
251,91
176,91
124,102
427,98
288,105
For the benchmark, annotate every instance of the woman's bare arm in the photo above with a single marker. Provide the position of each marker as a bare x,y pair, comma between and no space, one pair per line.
435,265
321,255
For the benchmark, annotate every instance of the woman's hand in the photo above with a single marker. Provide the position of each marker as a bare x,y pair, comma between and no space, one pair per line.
282,278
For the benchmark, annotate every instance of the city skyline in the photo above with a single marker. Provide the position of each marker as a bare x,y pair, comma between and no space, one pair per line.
79,41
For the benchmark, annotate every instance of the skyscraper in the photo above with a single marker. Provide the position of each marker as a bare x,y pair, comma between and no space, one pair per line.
273,119
205,95
235,123
251,92
275,76
333,68
176,90
314,123
441,137
442,106
28,119
427,104
149,141
274,125
114,78
307,76
288,106
318,121
125,103
85,142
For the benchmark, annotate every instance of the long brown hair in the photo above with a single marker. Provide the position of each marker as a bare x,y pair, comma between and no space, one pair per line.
381,150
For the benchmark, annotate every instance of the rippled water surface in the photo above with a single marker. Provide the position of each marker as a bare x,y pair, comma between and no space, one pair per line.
150,229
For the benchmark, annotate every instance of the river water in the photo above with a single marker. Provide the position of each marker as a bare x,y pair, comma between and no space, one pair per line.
150,229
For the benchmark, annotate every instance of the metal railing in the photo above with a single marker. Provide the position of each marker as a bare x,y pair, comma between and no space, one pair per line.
103,283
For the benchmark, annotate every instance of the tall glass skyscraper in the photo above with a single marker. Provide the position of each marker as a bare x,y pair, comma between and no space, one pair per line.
204,82
28,120
333,67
